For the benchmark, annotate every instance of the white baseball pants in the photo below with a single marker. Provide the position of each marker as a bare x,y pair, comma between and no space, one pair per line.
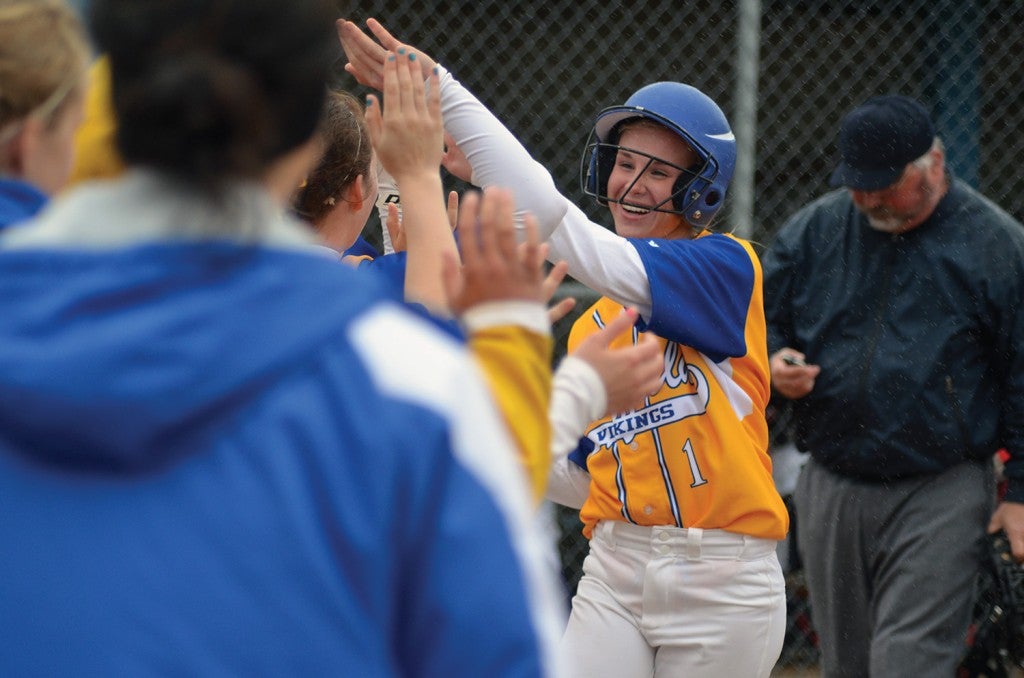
667,601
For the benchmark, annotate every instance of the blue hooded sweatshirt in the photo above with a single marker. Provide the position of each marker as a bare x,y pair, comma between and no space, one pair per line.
19,201
228,456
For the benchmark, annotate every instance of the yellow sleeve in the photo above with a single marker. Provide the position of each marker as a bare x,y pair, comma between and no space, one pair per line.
517,365
96,155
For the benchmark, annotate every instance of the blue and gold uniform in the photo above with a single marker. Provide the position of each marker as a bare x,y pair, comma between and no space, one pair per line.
696,454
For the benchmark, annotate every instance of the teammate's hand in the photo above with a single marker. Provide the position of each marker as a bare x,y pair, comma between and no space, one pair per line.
629,374
366,56
453,210
555,276
494,266
792,377
1009,517
455,161
407,134
393,223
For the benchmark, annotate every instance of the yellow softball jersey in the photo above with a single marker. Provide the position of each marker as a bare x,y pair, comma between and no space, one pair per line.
696,453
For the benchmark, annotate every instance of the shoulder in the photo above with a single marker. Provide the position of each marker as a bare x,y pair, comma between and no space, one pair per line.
825,212
708,248
980,210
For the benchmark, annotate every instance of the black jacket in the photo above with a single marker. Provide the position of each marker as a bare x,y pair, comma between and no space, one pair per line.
918,337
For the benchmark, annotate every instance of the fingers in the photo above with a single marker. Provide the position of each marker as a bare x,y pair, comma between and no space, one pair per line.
396,233
561,309
454,160
392,89
410,94
453,209
365,56
468,234
619,325
553,279
493,239
650,365
533,252
377,28
374,120
392,43
791,376
433,96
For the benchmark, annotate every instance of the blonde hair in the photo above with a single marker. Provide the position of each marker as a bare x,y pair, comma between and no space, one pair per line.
44,52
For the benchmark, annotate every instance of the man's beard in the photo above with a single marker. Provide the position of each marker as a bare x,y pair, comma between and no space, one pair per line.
887,224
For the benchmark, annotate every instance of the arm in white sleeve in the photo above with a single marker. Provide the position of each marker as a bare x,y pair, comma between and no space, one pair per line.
578,397
497,157
597,257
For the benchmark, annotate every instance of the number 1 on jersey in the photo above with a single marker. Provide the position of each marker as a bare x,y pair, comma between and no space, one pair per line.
698,479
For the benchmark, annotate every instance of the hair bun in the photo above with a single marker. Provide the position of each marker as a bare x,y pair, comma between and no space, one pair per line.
211,115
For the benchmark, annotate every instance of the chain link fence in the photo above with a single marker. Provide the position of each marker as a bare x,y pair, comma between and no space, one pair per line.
784,71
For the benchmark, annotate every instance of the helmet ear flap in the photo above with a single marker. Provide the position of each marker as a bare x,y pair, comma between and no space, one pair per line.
605,162
696,196
599,169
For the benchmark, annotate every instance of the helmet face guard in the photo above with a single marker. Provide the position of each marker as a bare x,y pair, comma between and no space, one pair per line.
697,120
599,159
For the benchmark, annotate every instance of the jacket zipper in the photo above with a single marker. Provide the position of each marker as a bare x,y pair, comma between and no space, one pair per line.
883,299
957,414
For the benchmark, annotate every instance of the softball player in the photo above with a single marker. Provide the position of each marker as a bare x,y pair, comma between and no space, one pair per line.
682,576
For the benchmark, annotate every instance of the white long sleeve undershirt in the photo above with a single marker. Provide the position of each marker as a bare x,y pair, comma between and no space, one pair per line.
578,397
597,257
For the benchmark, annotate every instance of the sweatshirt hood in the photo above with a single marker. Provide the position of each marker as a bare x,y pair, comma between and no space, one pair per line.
121,360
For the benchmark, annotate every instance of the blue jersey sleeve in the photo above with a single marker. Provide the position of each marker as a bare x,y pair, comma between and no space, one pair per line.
390,270
700,292
361,248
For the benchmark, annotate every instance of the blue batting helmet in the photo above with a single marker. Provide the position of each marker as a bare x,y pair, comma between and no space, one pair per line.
685,110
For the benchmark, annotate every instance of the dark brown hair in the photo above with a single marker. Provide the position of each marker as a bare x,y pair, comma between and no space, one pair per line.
347,155
211,90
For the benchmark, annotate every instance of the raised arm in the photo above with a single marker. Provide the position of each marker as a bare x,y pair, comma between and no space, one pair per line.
496,156
499,295
602,260
407,135
594,381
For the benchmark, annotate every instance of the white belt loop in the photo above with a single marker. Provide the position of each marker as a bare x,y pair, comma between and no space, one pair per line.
693,537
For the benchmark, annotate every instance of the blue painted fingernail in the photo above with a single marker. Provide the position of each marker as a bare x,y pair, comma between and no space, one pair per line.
412,57
436,71
401,50
369,101
391,57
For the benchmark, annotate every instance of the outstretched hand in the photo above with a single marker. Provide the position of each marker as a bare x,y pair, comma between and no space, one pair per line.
408,134
367,57
555,276
494,266
631,373
455,161
396,233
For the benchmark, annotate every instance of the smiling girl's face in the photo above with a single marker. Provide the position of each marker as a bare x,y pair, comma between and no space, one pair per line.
645,177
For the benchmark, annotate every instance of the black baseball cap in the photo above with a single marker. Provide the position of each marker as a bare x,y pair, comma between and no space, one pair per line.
878,139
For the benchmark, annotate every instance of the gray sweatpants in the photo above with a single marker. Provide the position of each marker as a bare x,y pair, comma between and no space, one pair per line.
891,567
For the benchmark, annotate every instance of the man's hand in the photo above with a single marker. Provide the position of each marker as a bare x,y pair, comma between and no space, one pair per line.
792,377
1009,517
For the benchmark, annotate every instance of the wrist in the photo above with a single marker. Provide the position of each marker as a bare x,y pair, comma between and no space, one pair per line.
417,175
